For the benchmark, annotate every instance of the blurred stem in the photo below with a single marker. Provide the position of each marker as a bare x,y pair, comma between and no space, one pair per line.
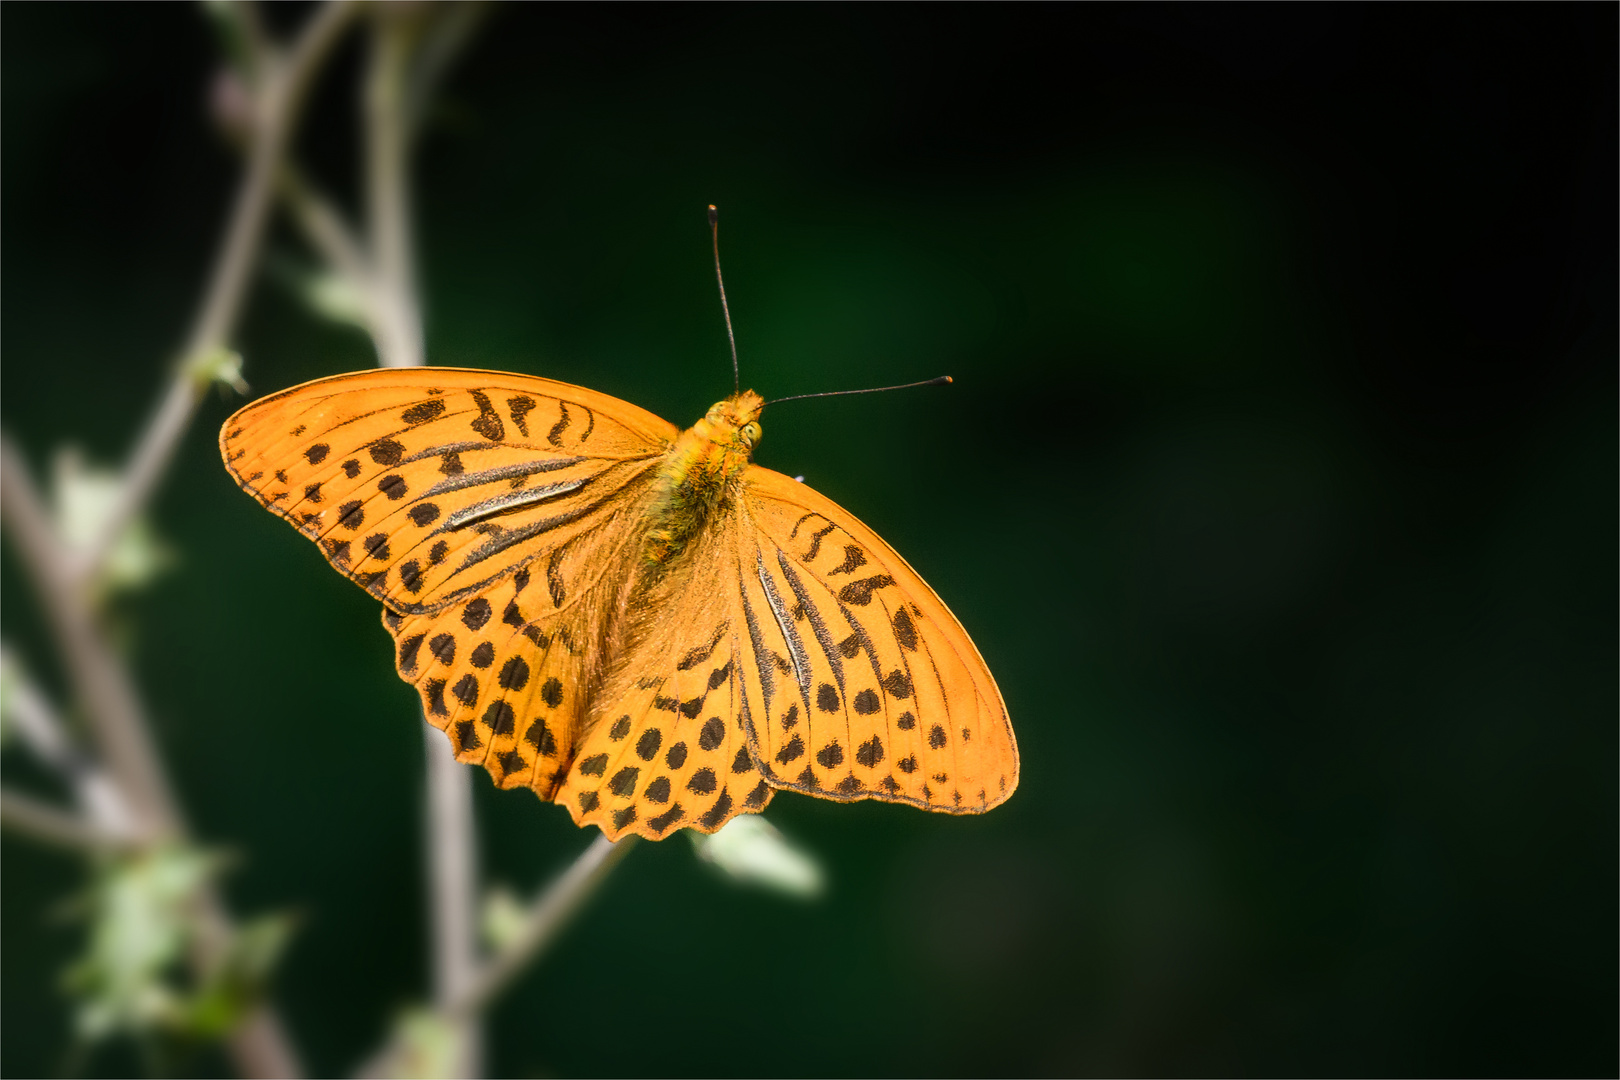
279,95
451,835
37,724
395,31
41,821
544,920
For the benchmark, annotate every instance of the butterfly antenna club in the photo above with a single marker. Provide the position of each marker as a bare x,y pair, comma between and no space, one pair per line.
714,230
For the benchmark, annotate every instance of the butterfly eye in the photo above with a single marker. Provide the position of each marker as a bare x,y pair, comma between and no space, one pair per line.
750,433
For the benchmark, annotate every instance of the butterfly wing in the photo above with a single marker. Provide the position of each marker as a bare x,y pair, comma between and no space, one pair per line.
669,746
427,485
859,681
495,515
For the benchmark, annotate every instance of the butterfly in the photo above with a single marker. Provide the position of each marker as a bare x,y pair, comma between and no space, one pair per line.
631,620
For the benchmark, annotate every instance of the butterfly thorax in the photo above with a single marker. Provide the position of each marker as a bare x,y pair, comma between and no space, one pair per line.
697,478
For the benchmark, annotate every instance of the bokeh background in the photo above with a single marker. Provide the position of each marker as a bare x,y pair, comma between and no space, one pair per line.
1277,487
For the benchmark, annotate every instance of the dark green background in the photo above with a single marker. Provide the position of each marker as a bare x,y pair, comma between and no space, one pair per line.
1277,487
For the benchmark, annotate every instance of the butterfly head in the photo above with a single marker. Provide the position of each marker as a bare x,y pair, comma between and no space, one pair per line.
734,422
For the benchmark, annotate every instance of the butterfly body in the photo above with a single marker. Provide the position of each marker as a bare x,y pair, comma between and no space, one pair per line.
700,473
630,620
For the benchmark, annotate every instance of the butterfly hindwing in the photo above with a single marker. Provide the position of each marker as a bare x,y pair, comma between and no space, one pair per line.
668,748
428,486
863,684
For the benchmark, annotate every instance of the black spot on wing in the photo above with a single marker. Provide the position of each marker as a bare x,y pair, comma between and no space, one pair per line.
476,614
831,755
666,819
791,752
500,717
623,783
386,452
520,407
317,453
423,412
540,737
424,514
647,745
859,593
713,733
488,423
870,752
435,698
554,436
722,806
514,674
853,560
407,652
904,632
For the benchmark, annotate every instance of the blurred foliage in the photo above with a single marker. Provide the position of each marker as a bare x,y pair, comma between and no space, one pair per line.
1276,487
142,915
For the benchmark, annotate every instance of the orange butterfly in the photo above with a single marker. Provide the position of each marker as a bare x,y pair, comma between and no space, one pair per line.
631,620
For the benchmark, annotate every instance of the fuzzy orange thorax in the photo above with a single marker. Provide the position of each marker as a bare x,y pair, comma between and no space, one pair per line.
702,464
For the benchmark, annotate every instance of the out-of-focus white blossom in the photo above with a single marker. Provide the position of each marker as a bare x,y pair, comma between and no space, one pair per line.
752,851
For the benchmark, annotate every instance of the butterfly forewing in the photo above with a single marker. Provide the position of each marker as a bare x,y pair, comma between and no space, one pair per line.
863,684
427,486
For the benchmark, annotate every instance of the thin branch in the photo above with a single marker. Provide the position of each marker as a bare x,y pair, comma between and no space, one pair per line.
102,684
41,821
544,920
394,36
451,835
323,226
280,95
38,725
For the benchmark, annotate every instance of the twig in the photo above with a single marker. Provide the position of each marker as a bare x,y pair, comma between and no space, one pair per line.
324,228
451,836
39,726
102,683
279,98
544,920
394,34
41,821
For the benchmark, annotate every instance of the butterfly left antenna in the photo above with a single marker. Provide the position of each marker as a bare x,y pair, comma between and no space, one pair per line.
714,229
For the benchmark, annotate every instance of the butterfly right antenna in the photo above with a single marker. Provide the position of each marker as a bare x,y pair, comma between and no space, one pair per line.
714,228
